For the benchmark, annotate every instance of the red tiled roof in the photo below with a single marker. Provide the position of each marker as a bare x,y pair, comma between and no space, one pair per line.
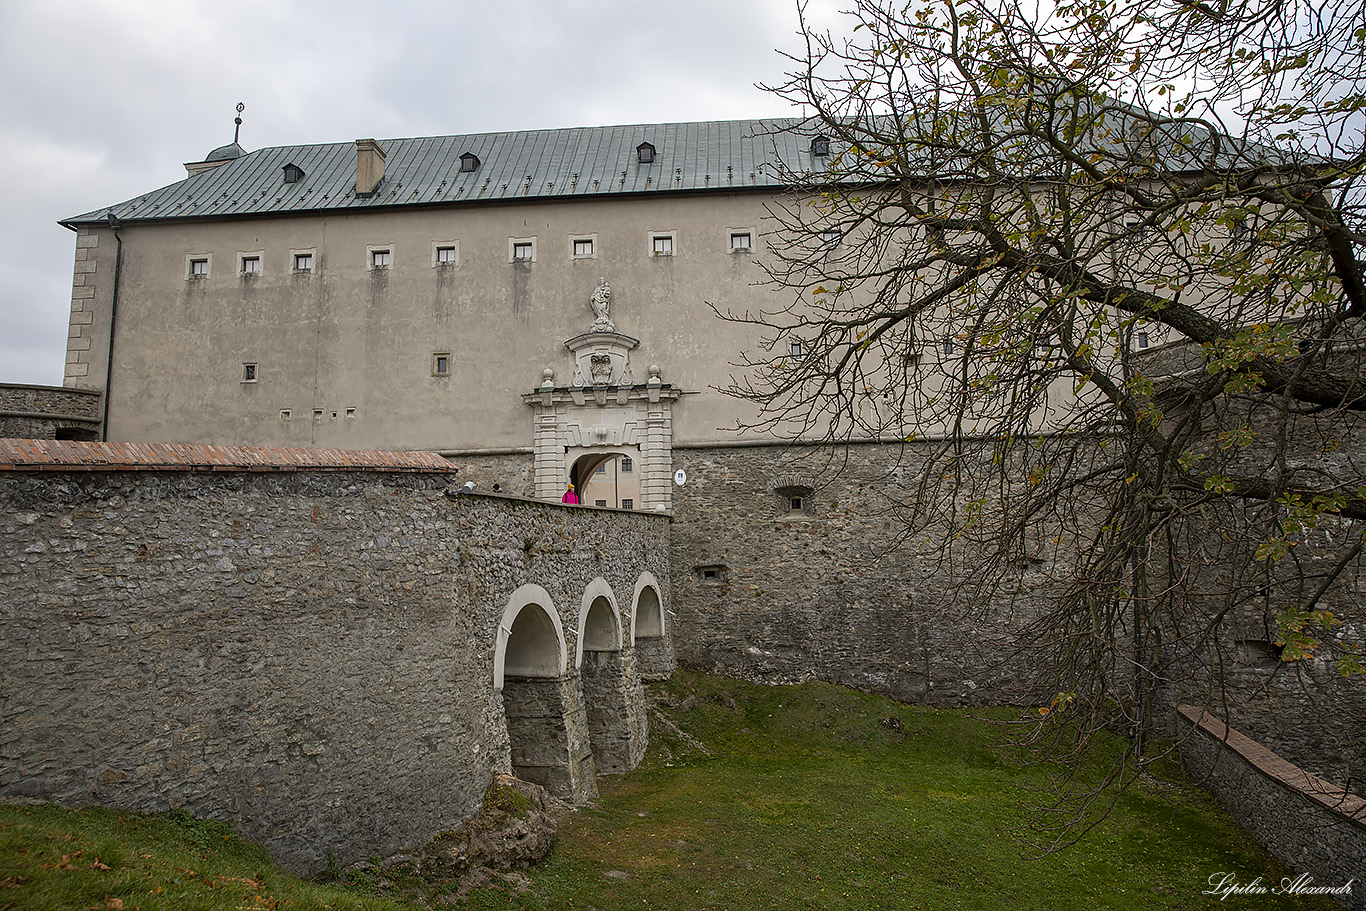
63,455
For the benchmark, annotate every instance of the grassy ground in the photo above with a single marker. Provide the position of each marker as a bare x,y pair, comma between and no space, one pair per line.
51,858
782,798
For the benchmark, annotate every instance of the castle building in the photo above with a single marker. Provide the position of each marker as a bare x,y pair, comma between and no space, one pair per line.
545,308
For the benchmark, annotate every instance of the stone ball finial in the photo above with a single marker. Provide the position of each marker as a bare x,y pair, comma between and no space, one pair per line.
654,373
548,377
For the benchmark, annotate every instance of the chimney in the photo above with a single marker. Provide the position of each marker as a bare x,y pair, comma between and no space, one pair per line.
369,167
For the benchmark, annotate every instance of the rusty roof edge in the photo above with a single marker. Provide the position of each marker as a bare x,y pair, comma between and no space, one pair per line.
54,455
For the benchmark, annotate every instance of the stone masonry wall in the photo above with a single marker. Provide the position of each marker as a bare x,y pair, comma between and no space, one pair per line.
39,412
1313,827
775,595
308,655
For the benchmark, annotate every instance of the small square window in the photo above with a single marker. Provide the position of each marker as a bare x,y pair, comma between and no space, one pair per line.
251,265
445,255
285,415
627,466
662,245
599,502
796,503
740,242
441,363
711,573
628,503
523,251
199,267
317,414
830,238
350,414
248,373
583,247
303,262
381,258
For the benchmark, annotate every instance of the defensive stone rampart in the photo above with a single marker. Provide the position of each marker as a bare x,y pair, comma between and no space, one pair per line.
47,412
313,653
1316,828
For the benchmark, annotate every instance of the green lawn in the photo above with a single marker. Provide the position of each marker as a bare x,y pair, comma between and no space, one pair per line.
785,798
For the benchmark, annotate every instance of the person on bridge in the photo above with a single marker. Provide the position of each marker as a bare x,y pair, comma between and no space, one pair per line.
570,497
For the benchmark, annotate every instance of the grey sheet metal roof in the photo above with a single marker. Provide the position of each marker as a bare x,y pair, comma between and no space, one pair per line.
536,164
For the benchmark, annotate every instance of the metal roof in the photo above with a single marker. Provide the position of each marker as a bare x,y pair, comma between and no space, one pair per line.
535,164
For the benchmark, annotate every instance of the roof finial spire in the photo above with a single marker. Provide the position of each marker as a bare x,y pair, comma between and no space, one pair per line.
238,121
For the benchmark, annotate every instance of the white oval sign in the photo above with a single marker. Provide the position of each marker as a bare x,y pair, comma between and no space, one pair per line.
680,477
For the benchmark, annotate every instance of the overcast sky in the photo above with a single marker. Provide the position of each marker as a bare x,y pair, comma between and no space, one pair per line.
106,99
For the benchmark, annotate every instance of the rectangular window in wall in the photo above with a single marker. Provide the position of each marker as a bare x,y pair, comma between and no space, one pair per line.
250,264
248,373
445,255
627,466
582,248
740,241
628,503
441,363
381,258
303,262
199,267
662,245
1142,339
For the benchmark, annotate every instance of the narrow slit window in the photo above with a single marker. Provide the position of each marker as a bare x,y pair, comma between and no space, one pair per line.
441,363
248,373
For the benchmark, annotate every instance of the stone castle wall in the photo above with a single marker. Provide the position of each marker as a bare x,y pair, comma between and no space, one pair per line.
1313,827
309,655
45,412
775,594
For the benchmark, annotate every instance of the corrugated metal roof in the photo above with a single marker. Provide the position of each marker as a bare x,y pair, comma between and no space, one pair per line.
62,455
536,164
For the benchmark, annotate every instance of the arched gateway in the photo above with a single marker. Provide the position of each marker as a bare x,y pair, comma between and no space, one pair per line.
603,413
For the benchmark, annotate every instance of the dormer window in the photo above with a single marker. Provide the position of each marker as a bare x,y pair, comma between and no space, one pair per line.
293,173
645,153
469,162
820,146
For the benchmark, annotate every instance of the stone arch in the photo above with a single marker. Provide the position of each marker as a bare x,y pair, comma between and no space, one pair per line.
651,631
599,621
612,693
542,704
537,641
606,477
647,609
